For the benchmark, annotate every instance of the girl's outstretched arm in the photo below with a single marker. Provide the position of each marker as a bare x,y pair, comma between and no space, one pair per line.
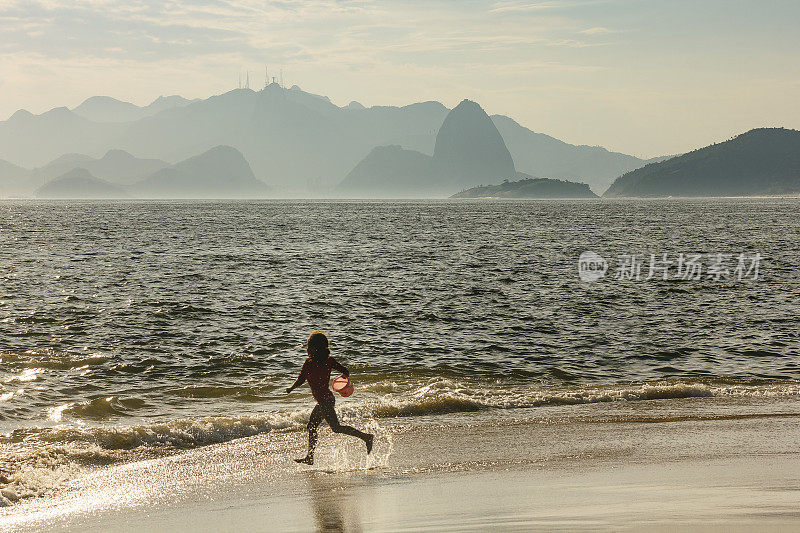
336,365
300,379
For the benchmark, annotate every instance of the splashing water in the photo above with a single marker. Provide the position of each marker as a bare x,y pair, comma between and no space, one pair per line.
347,454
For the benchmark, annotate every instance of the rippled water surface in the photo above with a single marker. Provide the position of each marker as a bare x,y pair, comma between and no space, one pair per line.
129,330
165,310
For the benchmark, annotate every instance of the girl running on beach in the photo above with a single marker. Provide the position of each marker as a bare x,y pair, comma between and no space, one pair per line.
317,371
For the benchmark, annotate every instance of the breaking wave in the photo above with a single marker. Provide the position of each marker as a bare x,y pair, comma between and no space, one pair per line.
435,397
181,433
443,396
34,460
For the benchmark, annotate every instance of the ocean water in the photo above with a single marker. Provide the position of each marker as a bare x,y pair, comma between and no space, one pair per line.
137,328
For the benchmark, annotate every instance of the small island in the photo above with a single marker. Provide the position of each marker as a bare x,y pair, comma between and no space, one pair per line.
530,188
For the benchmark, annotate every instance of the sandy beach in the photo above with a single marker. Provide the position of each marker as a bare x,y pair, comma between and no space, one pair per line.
652,465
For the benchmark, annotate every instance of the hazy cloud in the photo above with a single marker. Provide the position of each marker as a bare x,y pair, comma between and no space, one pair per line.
285,31
514,56
599,30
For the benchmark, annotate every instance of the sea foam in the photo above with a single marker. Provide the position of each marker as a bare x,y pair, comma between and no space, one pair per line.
34,460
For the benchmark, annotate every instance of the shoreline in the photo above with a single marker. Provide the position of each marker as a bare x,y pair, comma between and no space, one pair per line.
620,467
659,496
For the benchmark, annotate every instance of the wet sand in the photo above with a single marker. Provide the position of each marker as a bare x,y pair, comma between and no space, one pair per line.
703,464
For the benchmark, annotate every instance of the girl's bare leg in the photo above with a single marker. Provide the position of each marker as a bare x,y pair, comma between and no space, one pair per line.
313,434
329,413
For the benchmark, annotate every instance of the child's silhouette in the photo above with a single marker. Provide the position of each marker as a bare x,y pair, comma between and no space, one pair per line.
317,371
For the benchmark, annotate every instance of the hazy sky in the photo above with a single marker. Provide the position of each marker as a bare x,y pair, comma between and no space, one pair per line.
642,77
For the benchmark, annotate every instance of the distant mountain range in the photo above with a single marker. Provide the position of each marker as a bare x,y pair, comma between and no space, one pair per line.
107,109
297,142
537,154
221,172
468,150
763,161
79,183
287,142
116,166
392,171
14,180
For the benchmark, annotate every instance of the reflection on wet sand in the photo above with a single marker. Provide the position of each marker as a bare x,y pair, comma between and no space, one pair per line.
334,508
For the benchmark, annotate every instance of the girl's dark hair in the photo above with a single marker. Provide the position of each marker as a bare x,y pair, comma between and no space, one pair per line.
318,345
